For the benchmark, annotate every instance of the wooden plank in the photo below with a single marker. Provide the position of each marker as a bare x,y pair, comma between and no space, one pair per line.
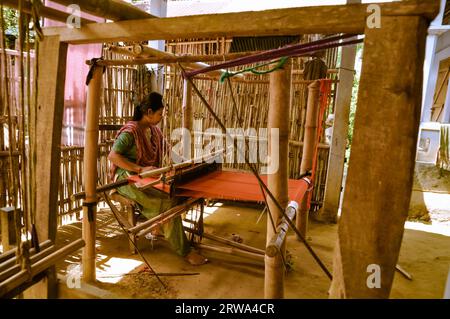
306,20
329,210
49,115
380,176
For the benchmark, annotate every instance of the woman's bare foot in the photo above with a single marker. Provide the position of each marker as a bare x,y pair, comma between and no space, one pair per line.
195,259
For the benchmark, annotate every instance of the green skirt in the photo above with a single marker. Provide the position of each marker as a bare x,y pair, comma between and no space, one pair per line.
152,203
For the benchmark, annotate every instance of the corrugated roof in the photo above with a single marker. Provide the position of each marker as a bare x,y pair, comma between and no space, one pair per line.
244,44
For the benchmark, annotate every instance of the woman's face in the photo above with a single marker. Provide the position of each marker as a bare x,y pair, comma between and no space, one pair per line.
154,117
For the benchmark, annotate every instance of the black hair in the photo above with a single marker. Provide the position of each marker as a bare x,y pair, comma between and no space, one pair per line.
152,101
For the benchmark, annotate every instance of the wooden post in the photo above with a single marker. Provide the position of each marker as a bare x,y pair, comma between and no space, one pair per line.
187,119
312,111
380,176
90,174
329,210
280,93
47,128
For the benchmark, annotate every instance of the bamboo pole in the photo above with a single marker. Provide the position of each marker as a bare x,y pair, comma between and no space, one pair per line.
14,268
231,251
227,241
280,81
90,174
12,259
277,241
187,119
149,55
145,225
308,149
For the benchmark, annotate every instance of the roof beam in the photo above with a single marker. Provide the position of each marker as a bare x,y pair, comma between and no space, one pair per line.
349,19
46,12
115,10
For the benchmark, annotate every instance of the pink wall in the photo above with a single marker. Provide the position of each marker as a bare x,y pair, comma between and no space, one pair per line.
75,88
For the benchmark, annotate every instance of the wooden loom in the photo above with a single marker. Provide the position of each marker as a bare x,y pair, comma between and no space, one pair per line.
194,183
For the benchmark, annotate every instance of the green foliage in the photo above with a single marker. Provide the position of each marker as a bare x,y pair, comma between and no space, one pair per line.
11,18
353,103
444,150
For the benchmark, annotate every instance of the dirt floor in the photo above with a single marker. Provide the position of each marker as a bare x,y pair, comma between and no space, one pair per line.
425,254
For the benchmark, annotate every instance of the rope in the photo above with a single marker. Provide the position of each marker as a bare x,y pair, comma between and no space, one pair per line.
32,118
113,209
290,50
241,123
325,91
280,64
35,13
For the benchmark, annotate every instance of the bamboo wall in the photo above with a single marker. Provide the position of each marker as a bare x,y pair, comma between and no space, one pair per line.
252,99
10,82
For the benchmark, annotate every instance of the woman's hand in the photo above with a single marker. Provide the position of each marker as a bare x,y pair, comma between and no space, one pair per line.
120,161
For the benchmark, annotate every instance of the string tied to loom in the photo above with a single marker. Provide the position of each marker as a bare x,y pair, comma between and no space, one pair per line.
280,63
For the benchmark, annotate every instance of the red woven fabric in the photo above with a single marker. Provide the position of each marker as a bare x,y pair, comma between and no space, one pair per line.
229,185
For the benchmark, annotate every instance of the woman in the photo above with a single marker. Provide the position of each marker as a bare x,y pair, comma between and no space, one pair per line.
139,147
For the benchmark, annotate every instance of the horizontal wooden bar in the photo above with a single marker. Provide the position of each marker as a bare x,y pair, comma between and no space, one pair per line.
350,19
36,268
157,219
228,242
11,261
12,253
6,153
231,251
14,268
44,11
176,58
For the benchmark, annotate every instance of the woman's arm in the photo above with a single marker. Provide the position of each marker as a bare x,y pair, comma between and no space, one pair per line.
120,161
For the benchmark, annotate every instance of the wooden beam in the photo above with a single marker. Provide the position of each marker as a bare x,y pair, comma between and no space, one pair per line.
109,9
49,114
349,19
279,104
47,129
45,12
170,58
380,175
329,210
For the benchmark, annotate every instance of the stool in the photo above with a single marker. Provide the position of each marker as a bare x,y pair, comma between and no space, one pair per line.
128,207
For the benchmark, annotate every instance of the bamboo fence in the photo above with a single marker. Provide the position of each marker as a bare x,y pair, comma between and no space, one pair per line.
252,99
